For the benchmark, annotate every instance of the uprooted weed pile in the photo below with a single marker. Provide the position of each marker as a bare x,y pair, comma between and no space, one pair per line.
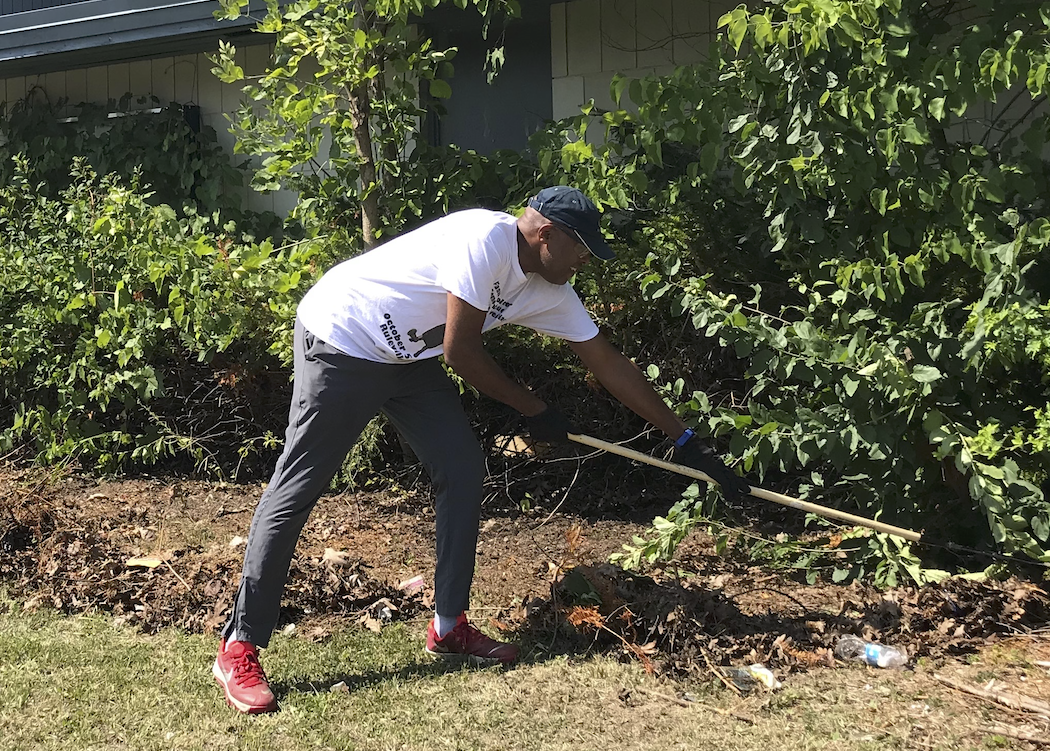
681,626
81,553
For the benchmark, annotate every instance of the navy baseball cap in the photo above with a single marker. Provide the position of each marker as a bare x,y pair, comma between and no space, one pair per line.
575,211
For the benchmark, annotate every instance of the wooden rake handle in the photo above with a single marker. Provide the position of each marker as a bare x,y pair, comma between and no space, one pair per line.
766,495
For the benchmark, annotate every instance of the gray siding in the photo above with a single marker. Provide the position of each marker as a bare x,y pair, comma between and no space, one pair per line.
21,6
80,34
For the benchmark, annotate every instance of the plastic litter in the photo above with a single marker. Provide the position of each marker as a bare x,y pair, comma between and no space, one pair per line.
748,678
850,647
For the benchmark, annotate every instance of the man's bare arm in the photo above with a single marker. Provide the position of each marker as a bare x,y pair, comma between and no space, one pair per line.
465,354
626,382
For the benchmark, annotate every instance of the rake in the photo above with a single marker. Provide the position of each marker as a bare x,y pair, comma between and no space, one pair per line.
766,495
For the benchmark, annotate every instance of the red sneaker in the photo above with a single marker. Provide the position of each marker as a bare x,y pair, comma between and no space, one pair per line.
238,671
466,641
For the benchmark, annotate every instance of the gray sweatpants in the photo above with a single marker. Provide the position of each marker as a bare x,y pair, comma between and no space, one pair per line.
333,398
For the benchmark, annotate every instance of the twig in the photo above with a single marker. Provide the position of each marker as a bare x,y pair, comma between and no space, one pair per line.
1013,701
684,703
187,586
665,697
735,715
718,673
555,509
17,449
1036,103
1019,733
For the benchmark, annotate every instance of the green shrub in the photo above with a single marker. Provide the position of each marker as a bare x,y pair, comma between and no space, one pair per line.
129,333
895,360
168,148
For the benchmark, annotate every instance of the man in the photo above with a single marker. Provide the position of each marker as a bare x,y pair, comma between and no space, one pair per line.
367,337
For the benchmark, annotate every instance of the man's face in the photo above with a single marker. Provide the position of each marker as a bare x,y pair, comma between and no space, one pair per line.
561,253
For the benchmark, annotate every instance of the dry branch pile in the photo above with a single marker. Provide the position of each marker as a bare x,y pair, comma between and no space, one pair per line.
682,626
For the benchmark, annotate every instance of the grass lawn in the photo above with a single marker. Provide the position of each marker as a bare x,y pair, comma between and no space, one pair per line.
88,683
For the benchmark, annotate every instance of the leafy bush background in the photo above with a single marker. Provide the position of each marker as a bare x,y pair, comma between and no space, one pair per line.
834,254
131,334
894,153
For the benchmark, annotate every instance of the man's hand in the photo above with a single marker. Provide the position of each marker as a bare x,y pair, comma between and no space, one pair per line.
550,426
698,456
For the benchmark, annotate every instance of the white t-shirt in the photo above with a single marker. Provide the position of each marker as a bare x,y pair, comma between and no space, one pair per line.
390,304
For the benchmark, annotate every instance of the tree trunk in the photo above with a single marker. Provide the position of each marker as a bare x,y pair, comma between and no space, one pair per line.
361,112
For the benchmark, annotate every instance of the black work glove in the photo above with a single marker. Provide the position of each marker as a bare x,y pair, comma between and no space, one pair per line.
550,426
696,455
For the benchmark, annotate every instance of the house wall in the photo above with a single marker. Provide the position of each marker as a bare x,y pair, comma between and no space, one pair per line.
593,39
184,79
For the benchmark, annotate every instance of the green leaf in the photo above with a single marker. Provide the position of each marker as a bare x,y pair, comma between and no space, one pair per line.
1041,526
737,28
925,373
638,180
910,132
851,27
709,157
887,142
440,89
993,187
762,29
878,199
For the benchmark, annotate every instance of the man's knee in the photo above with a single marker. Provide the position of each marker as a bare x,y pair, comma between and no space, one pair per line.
474,463
462,470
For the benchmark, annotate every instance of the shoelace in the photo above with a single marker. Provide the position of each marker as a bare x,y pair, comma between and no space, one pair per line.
247,671
470,637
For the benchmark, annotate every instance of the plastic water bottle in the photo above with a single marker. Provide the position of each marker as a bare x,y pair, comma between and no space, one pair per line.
852,647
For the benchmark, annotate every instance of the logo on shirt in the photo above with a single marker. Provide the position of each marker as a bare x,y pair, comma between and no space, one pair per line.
497,305
431,338
393,338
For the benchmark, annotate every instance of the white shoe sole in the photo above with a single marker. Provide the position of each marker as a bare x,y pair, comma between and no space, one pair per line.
240,706
462,658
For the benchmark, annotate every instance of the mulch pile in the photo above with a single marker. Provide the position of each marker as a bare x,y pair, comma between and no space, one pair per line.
58,555
80,564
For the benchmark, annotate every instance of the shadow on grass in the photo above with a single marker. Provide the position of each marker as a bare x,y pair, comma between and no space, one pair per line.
537,647
358,681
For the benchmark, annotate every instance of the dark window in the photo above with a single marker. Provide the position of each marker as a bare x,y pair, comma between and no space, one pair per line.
503,114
